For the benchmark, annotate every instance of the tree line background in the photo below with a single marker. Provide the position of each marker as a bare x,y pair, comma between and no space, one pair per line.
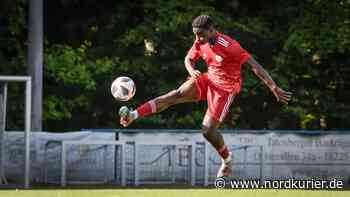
303,44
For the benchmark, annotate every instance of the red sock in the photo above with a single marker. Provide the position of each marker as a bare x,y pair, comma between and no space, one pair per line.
147,108
224,152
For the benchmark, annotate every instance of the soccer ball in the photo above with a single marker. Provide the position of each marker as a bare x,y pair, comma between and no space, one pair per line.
123,88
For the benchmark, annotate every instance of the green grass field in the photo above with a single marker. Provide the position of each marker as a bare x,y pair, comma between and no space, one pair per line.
170,193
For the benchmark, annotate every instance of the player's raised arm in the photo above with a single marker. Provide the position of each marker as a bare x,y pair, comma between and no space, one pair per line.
281,95
190,67
190,60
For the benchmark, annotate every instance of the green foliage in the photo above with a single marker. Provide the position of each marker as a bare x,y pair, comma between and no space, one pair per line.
72,81
317,48
69,66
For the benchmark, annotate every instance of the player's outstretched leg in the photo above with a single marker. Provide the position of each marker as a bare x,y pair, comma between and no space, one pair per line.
187,92
209,129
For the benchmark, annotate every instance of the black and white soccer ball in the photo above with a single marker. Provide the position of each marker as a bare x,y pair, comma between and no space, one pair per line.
123,88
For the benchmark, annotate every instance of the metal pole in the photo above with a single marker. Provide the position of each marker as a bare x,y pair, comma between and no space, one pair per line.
105,163
116,148
206,164
2,123
193,163
27,132
35,59
4,106
172,160
261,164
123,168
3,130
245,162
136,164
63,164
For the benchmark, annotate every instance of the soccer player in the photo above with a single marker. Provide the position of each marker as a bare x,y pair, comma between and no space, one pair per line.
224,58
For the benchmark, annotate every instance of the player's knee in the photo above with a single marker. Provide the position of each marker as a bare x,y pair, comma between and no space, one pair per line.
177,94
172,97
207,131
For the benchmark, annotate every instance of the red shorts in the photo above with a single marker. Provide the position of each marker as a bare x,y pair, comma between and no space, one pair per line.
219,101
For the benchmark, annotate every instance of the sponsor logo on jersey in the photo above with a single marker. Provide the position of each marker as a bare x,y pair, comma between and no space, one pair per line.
218,58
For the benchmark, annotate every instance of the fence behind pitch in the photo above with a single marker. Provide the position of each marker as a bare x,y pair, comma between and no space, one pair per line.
179,156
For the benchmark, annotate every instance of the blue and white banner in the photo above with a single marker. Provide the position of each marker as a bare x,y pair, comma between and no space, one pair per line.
164,157
269,156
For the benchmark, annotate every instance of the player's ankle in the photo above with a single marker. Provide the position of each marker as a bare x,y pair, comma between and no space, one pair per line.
228,159
224,152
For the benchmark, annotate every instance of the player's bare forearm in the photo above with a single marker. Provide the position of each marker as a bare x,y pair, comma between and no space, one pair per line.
261,73
190,67
189,64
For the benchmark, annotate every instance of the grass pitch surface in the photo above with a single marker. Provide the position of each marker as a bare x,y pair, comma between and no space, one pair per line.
171,193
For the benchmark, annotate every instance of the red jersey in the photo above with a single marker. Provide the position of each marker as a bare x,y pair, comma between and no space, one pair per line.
224,60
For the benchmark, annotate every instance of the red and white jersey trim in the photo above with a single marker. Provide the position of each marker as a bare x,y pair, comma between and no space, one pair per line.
223,42
153,106
226,107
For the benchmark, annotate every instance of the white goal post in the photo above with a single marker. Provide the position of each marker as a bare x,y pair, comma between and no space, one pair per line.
27,117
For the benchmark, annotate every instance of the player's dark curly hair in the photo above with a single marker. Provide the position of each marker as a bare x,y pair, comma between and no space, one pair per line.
203,22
